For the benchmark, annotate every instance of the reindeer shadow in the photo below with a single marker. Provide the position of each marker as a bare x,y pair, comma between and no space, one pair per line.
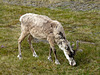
83,58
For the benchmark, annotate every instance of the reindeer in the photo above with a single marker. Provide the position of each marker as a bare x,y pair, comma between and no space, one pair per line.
42,27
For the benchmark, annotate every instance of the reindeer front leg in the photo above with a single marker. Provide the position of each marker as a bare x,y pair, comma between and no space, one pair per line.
50,39
21,38
55,55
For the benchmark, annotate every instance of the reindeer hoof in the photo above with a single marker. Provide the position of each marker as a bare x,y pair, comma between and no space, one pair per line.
57,62
19,56
35,55
49,58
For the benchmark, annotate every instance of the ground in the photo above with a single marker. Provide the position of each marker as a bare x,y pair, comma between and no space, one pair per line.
78,25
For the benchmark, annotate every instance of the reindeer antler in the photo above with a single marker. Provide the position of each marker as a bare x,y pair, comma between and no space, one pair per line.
73,45
77,46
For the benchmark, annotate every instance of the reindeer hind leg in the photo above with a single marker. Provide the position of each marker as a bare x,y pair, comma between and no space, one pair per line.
30,43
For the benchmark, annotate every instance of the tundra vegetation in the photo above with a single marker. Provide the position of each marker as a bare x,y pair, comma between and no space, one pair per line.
78,25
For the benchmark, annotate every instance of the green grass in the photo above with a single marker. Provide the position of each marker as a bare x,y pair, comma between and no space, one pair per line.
82,26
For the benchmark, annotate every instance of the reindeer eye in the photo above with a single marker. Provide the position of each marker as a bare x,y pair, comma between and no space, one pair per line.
72,54
67,48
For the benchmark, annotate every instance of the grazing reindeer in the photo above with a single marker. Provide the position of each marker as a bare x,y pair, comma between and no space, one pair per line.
42,27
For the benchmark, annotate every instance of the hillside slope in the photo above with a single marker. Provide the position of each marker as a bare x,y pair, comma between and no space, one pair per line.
76,5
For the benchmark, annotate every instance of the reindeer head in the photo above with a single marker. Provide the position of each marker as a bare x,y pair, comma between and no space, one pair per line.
72,52
67,48
69,52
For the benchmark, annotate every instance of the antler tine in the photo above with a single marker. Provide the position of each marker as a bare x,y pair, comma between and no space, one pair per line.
73,45
77,45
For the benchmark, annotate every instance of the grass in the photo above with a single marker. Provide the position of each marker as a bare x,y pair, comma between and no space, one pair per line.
82,26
